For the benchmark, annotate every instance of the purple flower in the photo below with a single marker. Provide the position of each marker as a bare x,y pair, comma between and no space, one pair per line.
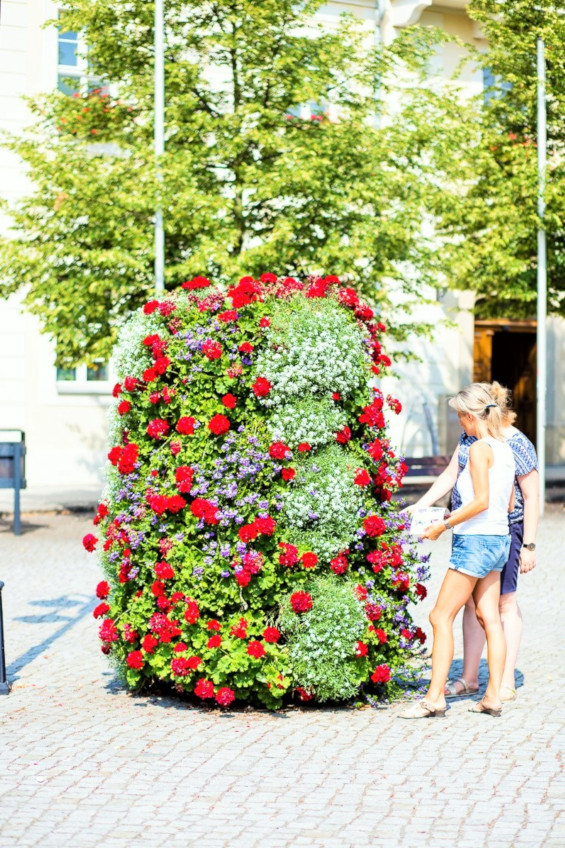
241,548
225,550
225,573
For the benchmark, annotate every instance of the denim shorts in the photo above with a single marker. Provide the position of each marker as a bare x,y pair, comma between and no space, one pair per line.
478,555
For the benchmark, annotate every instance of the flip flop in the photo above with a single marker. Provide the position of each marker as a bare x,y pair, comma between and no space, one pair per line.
511,697
451,692
421,709
479,707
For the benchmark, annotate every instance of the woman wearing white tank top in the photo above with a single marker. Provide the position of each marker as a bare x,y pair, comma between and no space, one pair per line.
481,542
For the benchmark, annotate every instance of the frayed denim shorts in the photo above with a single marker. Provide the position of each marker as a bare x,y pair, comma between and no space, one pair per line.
478,555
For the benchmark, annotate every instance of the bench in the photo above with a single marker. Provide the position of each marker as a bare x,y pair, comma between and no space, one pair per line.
424,469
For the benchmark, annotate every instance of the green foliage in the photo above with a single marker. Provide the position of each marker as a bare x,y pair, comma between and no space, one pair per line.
487,216
247,182
321,642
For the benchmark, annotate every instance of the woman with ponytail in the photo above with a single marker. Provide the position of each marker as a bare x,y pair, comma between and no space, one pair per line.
522,557
481,543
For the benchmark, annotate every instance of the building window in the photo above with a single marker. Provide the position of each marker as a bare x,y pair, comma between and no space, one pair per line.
493,86
73,75
95,378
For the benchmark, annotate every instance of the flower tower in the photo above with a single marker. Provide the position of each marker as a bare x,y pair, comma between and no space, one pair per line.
250,548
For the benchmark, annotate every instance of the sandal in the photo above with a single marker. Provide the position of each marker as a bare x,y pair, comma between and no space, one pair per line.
421,709
451,692
511,690
480,707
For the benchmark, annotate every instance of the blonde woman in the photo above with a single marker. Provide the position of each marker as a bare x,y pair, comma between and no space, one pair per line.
481,542
522,557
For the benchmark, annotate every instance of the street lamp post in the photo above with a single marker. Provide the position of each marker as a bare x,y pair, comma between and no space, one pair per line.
541,341
159,107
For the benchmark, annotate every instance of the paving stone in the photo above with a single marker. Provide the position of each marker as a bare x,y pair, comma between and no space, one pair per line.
85,764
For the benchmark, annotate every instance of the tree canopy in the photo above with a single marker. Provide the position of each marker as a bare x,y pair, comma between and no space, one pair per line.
278,157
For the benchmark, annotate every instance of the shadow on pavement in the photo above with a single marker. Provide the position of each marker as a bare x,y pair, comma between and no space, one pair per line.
52,611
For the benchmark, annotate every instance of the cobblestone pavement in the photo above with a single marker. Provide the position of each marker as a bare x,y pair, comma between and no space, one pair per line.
84,764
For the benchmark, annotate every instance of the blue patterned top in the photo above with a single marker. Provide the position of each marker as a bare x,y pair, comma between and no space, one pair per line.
525,458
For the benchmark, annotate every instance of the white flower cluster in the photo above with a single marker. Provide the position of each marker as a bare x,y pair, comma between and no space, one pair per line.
131,357
322,641
315,349
311,420
322,507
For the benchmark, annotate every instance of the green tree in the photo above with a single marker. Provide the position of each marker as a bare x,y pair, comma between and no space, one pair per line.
250,181
489,217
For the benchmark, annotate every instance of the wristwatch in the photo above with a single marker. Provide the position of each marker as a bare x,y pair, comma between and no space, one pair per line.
529,547
447,525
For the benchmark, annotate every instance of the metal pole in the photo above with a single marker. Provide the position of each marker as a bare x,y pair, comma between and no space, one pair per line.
159,106
4,685
541,347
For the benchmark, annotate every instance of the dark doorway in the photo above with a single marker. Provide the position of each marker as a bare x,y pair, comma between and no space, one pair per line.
506,351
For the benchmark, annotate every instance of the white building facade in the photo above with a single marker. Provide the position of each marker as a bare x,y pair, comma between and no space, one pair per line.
63,413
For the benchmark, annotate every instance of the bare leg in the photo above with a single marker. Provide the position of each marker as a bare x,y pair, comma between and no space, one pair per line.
487,596
473,644
455,590
512,625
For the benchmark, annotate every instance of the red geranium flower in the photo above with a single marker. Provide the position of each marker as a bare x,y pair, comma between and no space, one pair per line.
204,688
219,425
304,447
336,396
261,387
271,634
248,532
89,542
150,307
309,560
381,674
135,660
183,477
229,401
278,450
149,643
164,571
343,436
374,526
124,407
225,696
101,610
375,450
266,526
421,591
192,612
362,477
420,635
256,649
229,315
288,473
185,425
103,590
265,322
381,636
158,428
197,283
214,624
301,601
212,349
214,641
361,649
289,557
130,384
240,630
246,347
339,564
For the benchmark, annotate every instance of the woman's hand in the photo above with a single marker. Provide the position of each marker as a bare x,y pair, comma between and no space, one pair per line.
527,560
433,531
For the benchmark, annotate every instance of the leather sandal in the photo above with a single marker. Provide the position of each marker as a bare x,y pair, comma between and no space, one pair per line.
421,709
480,707
451,692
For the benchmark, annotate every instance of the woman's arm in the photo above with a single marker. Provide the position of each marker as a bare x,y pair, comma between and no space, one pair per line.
440,487
529,485
480,460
